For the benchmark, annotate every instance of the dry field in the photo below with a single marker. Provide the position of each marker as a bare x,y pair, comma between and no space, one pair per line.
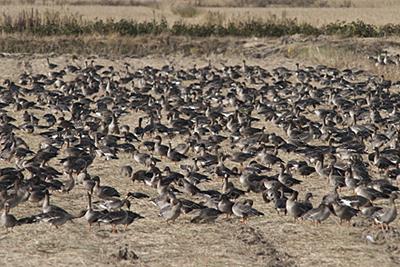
374,12
268,241
271,240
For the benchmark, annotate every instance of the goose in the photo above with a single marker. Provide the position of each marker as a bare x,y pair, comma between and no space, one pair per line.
368,210
225,205
256,167
174,155
160,149
336,181
319,214
48,208
112,204
354,201
120,217
244,209
252,182
7,220
229,189
221,170
240,157
189,205
286,178
294,208
104,192
195,177
349,180
207,159
126,171
189,188
385,216
302,168
384,186
206,215
90,215
55,216
279,200
382,163
344,212
51,65
143,158
69,185
269,159
369,193
36,194
171,211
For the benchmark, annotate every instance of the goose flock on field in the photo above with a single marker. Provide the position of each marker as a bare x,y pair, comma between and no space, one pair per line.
385,59
274,135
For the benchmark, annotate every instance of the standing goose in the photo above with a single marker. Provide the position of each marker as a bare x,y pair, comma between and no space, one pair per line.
244,209
229,189
335,180
116,203
279,200
90,215
240,157
171,211
51,65
52,214
349,180
120,217
385,216
68,185
55,217
225,205
174,155
206,215
221,170
269,159
159,148
126,171
369,193
7,220
47,207
286,178
382,163
319,214
143,158
294,208
104,192
345,213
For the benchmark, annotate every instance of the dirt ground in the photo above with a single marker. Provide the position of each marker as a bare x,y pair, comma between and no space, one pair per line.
271,240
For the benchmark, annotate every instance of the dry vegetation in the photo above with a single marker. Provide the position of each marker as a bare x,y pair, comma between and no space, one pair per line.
309,11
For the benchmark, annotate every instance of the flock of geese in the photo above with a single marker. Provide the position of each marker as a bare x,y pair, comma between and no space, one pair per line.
261,134
385,59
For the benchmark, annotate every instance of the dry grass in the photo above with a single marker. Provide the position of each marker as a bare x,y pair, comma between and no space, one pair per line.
212,3
380,15
332,51
347,53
